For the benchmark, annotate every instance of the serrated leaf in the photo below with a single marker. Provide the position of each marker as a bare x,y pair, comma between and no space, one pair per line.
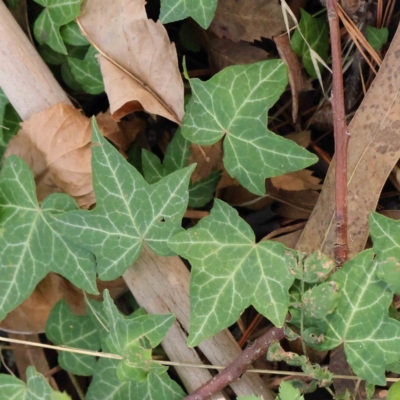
9,120
231,272
316,32
288,392
133,339
36,388
56,13
65,328
385,233
202,11
377,37
201,192
129,212
87,72
72,35
106,386
30,246
234,104
371,339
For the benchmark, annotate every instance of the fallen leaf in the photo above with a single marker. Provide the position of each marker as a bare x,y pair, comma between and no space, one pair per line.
138,62
248,19
295,76
298,180
302,138
224,52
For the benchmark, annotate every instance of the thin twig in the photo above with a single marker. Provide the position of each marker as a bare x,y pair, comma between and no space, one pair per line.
341,134
239,366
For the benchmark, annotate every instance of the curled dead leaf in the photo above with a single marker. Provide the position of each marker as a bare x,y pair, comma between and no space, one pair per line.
298,180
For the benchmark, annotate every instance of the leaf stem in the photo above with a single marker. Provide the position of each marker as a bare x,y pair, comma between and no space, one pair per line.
341,134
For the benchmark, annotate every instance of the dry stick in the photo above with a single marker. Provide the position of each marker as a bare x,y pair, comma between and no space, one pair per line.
239,366
341,250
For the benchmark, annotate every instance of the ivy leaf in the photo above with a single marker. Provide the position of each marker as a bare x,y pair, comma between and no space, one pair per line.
288,392
65,328
71,34
202,11
394,392
176,157
371,339
313,268
87,72
377,37
36,387
129,211
56,13
106,385
316,32
30,246
133,339
9,120
385,233
234,103
230,272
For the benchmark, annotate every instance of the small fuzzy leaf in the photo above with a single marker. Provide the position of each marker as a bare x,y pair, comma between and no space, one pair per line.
321,300
31,246
72,35
360,321
202,11
234,104
87,72
129,212
133,338
105,385
65,328
231,272
56,13
288,392
377,37
316,32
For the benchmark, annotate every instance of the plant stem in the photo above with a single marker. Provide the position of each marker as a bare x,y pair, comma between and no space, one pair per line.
341,134
238,367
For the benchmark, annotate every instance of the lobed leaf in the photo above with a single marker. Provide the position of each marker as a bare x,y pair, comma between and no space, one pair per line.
129,212
202,11
56,13
30,245
377,37
231,272
233,105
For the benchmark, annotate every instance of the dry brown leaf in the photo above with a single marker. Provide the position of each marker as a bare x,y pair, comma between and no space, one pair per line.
374,149
32,314
138,62
224,52
302,138
294,67
248,20
298,180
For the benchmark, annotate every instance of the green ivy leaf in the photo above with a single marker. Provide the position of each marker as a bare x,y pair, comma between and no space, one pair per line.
288,392
230,272
56,13
371,339
377,37
316,33
87,72
30,246
234,103
313,268
36,388
385,233
133,338
71,34
105,385
176,157
202,11
65,328
9,120
129,211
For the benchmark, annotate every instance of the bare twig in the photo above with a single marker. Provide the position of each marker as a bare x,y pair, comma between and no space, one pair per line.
239,366
341,250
